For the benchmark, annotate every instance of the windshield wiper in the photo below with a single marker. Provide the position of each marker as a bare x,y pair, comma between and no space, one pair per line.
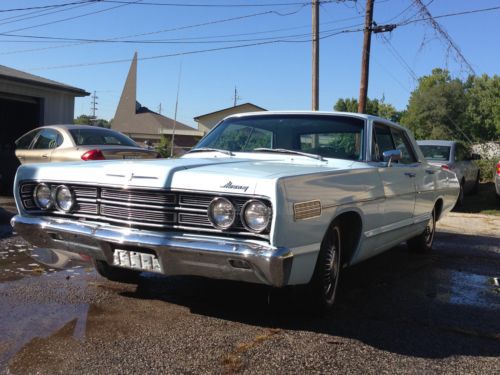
208,149
286,151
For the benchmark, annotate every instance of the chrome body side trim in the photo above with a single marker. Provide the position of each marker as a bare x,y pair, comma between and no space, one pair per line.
179,253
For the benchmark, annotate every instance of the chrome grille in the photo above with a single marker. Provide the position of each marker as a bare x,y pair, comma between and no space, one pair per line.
133,214
137,196
153,209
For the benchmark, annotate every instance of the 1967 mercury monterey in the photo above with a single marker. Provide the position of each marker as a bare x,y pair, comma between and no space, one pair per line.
278,198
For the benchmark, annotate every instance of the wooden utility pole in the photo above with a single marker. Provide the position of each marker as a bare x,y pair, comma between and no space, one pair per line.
365,59
315,55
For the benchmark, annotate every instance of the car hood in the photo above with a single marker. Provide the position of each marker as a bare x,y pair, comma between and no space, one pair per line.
218,174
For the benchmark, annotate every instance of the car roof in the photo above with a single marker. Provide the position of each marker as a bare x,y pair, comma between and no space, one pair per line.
316,113
436,143
71,126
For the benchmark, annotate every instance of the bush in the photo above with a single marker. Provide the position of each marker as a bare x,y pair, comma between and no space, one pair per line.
487,168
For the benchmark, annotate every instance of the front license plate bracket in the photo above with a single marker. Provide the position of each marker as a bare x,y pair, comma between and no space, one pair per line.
136,259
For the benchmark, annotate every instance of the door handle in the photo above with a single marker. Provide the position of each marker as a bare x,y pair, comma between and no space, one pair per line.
410,174
45,156
429,171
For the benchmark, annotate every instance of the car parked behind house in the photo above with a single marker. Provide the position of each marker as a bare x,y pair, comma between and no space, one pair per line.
272,198
455,157
76,143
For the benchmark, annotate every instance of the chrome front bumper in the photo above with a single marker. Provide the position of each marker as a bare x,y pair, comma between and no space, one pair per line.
179,253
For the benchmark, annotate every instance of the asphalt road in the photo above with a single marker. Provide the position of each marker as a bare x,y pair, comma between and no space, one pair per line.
397,313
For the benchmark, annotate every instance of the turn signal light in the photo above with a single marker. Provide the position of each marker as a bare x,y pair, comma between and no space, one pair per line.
444,166
498,168
93,155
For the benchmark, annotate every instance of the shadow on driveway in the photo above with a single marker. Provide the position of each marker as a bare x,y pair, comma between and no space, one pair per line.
432,306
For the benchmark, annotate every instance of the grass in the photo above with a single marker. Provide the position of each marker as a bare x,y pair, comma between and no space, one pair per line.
484,202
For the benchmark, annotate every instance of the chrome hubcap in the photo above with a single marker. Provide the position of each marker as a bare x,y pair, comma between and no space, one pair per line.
331,268
429,230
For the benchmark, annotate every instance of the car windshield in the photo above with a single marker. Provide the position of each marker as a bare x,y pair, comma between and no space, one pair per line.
99,136
434,152
330,136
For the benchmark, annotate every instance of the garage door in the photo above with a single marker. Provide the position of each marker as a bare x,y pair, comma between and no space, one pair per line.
17,116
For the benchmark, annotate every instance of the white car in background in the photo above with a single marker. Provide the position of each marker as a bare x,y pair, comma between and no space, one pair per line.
455,157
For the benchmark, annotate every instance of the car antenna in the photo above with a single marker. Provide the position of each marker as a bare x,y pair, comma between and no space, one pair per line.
175,112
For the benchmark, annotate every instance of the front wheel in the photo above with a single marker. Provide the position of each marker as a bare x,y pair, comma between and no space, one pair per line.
323,286
423,242
121,275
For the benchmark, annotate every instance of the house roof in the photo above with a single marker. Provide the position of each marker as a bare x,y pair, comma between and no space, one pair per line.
145,121
19,76
197,118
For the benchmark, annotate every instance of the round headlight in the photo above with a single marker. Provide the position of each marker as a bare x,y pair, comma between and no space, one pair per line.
255,216
64,198
43,196
221,213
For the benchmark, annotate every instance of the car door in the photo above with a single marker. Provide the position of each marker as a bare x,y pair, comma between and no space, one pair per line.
23,145
41,149
397,179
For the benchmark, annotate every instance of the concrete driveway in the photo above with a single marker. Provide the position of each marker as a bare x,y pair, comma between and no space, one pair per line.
399,312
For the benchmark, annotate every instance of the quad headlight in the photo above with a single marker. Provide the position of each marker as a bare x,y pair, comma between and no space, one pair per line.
64,198
255,216
42,196
221,213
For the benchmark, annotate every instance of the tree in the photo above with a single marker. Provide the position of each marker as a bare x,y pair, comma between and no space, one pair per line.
373,107
483,106
436,109
88,120
164,146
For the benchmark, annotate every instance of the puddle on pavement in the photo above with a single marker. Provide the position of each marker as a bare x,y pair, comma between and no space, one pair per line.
19,260
24,320
468,289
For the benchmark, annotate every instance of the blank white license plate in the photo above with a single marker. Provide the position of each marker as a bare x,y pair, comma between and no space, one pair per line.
136,260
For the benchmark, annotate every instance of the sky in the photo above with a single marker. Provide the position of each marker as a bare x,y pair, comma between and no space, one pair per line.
206,48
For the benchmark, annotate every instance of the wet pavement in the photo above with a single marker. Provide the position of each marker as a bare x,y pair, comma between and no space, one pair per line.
399,312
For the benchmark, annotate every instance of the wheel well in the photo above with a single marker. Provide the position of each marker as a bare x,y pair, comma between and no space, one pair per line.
350,231
438,206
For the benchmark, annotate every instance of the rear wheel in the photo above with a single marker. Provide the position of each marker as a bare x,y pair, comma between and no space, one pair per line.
423,242
121,275
460,199
475,189
323,286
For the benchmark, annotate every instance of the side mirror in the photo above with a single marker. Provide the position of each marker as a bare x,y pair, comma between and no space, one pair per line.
392,155
475,157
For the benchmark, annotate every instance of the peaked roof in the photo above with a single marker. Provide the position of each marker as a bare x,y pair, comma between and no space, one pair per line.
231,109
20,76
132,118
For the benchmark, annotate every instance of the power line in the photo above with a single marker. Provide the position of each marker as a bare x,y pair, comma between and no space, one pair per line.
213,22
222,5
413,75
239,46
444,34
72,18
49,6
38,13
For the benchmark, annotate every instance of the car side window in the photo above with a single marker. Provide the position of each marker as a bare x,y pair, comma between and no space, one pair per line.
25,141
402,143
382,141
47,139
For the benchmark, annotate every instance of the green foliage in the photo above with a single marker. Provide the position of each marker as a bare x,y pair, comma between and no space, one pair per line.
436,107
87,120
487,168
164,146
442,107
483,106
374,107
